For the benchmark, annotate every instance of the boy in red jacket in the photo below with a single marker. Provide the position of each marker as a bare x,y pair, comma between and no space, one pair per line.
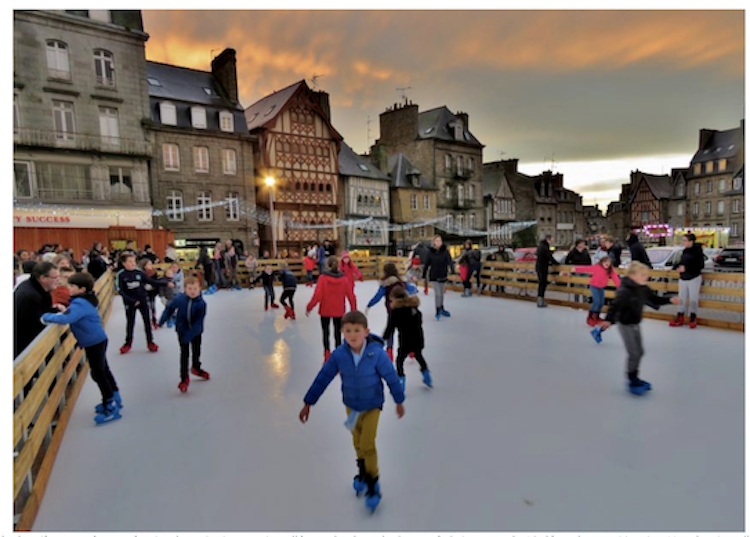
331,293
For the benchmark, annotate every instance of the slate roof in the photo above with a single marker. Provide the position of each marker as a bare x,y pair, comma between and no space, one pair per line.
400,168
721,144
263,111
351,164
433,124
491,181
187,87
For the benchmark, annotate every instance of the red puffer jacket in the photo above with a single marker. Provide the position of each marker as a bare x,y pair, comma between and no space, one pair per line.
310,263
331,293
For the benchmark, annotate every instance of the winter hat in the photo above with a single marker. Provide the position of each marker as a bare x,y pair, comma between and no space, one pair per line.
415,261
344,254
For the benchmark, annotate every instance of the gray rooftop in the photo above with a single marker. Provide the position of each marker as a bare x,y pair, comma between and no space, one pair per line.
721,144
353,165
263,111
400,170
434,124
660,185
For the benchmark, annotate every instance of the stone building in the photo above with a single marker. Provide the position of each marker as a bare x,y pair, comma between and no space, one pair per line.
440,144
203,172
569,208
298,148
595,223
499,200
366,195
715,182
618,214
677,213
546,188
79,103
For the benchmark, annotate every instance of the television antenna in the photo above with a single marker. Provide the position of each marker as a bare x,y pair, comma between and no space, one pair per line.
553,162
314,80
403,93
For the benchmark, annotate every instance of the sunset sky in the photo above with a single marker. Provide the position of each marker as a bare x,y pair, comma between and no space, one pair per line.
601,92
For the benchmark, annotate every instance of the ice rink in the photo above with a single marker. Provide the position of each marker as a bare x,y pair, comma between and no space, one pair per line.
529,428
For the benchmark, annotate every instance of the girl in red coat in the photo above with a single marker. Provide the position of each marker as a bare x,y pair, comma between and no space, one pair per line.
351,272
309,267
331,293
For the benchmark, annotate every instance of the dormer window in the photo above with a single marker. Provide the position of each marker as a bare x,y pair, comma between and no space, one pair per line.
363,167
168,113
226,121
198,117
416,181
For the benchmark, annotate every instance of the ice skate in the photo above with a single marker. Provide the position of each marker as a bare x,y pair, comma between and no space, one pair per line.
183,385
373,497
153,347
125,348
445,313
99,409
202,373
111,413
693,321
427,378
596,333
359,483
679,320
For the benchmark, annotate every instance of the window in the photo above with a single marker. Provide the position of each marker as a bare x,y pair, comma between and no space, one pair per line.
233,206
226,121
448,162
448,190
101,15
168,113
737,183
64,120
644,216
460,194
200,159
198,117
722,185
709,166
697,188
16,113
104,66
459,165
735,229
120,184
205,210
697,169
722,164
680,209
720,208
229,161
471,163
174,206
109,126
708,208
472,221
449,221
460,221
709,187
153,82
736,206
22,186
57,60
171,157
696,208
472,188
363,167
63,181
426,202
413,202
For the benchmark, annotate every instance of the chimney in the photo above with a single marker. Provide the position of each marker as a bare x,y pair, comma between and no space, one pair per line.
464,117
224,68
324,100
399,126
511,166
705,134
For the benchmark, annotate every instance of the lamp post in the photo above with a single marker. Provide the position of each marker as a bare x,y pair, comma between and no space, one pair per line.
270,181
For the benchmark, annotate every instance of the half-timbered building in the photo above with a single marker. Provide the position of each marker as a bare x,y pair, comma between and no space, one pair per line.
649,200
298,149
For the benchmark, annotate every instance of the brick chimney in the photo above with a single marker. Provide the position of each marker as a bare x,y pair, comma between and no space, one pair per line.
324,100
399,125
224,68
464,117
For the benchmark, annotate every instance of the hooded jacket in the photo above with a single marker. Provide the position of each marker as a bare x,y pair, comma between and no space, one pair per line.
615,253
189,314
386,285
331,293
361,385
437,264
637,251
351,272
406,317
83,318
575,257
31,301
599,275
309,263
544,257
627,307
692,260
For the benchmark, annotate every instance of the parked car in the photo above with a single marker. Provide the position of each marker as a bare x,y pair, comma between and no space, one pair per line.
731,257
525,255
666,257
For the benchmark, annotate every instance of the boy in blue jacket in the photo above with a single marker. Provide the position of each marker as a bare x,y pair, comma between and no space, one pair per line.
363,365
189,311
83,317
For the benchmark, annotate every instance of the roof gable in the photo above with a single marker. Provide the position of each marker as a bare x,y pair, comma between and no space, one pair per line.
721,144
434,124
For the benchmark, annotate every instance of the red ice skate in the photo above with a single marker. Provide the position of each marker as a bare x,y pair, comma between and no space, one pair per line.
125,348
389,350
202,373
275,306
183,385
679,320
326,356
693,321
287,312
153,347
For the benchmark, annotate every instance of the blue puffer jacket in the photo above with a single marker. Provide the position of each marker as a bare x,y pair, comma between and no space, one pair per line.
362,385
83,318
188,313
288,280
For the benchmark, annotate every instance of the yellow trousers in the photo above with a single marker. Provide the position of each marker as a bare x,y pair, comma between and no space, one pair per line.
363,436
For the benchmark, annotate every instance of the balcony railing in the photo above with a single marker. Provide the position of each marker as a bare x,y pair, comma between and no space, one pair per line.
462,173
83,142
65,194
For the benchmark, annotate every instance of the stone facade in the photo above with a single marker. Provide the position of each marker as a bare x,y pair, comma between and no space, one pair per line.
678,206
80,101
595,223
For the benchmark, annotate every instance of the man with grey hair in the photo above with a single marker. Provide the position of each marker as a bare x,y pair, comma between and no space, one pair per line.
32,299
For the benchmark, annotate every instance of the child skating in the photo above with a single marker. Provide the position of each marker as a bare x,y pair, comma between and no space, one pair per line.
267,277
601,274
332,292
189,312
131,284
406,317
390,280
86,325
310,263
289,284
151,290
363,366
350,270
627,311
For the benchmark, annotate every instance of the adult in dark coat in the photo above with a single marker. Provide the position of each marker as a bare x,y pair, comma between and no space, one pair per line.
637,251
205,261
32,299
436,266
474,258
97,264
579,255
614,251
543,260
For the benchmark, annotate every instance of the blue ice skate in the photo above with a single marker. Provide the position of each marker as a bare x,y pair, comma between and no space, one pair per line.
359,486
427,378
372,499
111,413
638,387
596,333
115,397
437,315
445,313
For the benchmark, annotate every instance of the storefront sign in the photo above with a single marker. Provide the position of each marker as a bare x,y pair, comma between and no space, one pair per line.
82,217
658,230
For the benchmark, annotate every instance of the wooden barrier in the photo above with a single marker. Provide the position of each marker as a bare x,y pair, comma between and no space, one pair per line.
47,378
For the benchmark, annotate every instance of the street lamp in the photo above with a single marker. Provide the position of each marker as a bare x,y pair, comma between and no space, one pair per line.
270,181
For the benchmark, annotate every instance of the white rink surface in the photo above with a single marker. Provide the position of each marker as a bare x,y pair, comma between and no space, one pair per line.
529,428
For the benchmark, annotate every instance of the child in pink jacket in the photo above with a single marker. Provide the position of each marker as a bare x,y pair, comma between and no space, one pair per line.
601,273
351,272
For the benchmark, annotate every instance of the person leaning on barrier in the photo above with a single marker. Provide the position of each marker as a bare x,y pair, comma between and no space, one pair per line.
579,255
32,299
